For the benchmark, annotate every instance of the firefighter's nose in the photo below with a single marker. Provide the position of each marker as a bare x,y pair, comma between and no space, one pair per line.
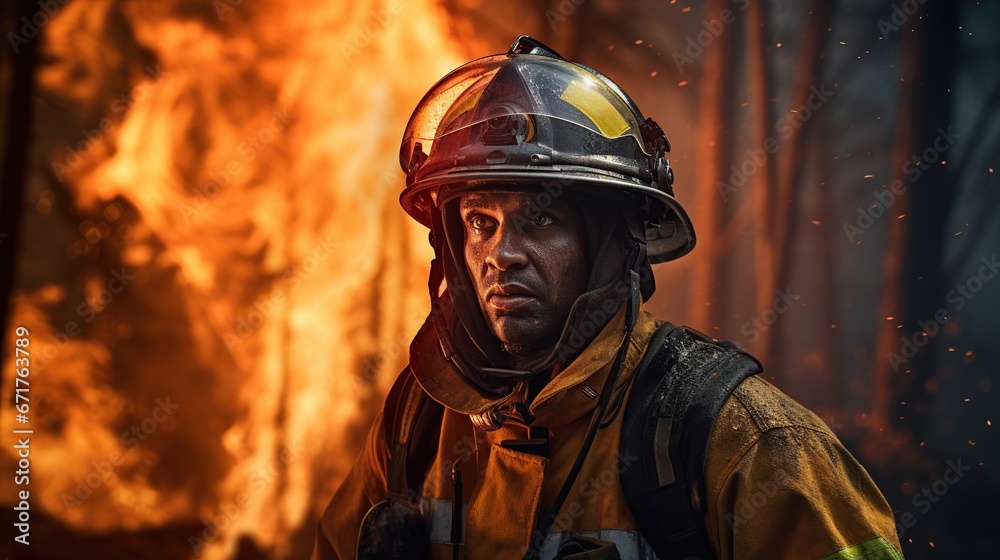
509,249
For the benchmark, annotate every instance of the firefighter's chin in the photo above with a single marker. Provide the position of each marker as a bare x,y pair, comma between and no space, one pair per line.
522,336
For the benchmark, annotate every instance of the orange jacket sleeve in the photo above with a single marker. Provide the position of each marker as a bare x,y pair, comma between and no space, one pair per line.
786,488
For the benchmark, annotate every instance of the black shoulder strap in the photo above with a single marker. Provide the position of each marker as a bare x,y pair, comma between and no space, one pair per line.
408,422
678,389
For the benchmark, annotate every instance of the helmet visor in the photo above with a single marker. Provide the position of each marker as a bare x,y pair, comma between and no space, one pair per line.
498,87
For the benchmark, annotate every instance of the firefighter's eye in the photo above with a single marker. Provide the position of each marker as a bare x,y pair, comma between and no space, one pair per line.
480,223
542,220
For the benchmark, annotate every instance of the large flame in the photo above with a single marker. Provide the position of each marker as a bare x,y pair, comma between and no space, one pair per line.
248,183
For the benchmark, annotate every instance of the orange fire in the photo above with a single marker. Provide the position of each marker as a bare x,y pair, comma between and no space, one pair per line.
243,187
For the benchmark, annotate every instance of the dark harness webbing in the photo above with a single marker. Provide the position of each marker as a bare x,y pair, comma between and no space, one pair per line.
411,422
677,391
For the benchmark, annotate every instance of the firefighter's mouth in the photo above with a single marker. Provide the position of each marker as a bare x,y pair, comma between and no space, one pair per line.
510,297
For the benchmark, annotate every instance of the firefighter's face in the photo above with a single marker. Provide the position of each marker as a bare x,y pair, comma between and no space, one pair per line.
527,265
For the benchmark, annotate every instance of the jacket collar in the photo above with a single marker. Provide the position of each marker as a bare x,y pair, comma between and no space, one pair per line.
564,399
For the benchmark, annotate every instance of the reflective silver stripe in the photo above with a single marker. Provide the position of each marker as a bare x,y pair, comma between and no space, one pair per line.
631,545
437,513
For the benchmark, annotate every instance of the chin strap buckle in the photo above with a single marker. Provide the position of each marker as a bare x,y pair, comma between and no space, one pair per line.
490,420
496,416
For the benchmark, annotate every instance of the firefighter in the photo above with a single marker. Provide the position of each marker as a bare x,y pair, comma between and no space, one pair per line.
543,414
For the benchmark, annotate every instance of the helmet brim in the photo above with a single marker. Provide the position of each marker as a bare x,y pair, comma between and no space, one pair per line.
670,239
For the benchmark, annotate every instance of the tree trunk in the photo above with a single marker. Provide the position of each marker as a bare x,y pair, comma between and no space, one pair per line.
714,151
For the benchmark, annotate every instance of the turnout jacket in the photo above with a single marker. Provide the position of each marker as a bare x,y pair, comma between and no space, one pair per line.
779,483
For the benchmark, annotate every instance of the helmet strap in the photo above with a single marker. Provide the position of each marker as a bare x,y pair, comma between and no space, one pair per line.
439,307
